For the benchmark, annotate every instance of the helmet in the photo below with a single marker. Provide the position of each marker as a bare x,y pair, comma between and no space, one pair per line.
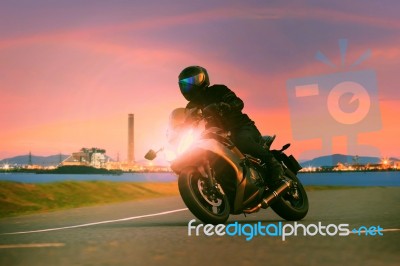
192,81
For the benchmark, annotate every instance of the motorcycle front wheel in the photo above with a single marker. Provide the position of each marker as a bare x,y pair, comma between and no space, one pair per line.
206,203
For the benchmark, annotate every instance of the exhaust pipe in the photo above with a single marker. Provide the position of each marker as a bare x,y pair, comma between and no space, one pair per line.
270,199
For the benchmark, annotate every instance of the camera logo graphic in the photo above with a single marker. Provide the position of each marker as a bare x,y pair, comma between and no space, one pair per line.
337,104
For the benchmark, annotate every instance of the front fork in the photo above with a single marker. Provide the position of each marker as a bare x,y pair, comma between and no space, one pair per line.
206,171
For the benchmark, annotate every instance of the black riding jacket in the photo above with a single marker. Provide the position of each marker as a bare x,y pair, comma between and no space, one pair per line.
233,119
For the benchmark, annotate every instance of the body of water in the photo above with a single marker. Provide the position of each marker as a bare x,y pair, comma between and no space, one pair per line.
325,179
390,178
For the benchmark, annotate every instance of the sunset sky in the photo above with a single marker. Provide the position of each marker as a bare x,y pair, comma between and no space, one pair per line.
71,71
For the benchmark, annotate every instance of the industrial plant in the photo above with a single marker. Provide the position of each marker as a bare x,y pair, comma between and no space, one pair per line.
87,157
96,158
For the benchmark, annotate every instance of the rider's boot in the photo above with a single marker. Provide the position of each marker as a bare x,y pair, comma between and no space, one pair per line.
276,181
273,172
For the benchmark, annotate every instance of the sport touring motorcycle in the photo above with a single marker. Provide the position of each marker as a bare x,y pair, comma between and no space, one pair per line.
215,179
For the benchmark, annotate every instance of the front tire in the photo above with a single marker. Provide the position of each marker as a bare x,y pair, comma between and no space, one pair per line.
290,207
207,205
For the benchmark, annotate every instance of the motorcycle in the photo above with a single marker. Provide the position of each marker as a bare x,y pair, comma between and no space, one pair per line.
216,179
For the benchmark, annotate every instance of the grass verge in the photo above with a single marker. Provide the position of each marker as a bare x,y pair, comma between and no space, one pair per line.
20,198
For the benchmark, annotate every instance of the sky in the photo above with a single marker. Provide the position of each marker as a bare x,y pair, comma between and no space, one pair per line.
72,71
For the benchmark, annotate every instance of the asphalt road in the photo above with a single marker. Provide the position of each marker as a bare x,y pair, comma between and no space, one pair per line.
146,233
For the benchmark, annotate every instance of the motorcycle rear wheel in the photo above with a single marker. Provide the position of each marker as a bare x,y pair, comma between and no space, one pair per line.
288,207
202,201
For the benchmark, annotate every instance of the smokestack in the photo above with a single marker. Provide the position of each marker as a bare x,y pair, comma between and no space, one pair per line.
131,155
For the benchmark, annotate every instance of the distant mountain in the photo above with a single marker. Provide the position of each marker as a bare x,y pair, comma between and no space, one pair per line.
329,160
37,160
332,160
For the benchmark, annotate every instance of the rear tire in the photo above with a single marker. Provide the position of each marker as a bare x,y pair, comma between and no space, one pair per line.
288,207
209,207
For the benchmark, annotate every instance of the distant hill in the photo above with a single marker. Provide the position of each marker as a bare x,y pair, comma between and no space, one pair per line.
329,160
332,160
37,160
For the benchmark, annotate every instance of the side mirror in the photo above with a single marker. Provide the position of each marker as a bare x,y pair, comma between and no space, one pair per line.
285,147
150,155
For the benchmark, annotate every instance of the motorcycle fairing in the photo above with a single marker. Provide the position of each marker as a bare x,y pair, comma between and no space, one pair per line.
246,192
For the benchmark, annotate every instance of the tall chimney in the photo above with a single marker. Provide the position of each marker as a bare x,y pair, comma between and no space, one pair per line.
131,155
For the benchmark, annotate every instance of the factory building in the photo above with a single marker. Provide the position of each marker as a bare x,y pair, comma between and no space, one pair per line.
88,157
96,157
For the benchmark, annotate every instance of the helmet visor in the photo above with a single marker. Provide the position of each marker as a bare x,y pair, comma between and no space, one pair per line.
186,84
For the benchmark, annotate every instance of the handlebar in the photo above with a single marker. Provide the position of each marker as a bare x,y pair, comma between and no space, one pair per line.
211,112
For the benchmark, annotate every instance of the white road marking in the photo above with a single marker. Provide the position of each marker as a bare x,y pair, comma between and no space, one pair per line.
96,223
37,245
391,230
376,231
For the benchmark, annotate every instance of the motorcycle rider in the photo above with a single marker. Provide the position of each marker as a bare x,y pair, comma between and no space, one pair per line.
195,86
